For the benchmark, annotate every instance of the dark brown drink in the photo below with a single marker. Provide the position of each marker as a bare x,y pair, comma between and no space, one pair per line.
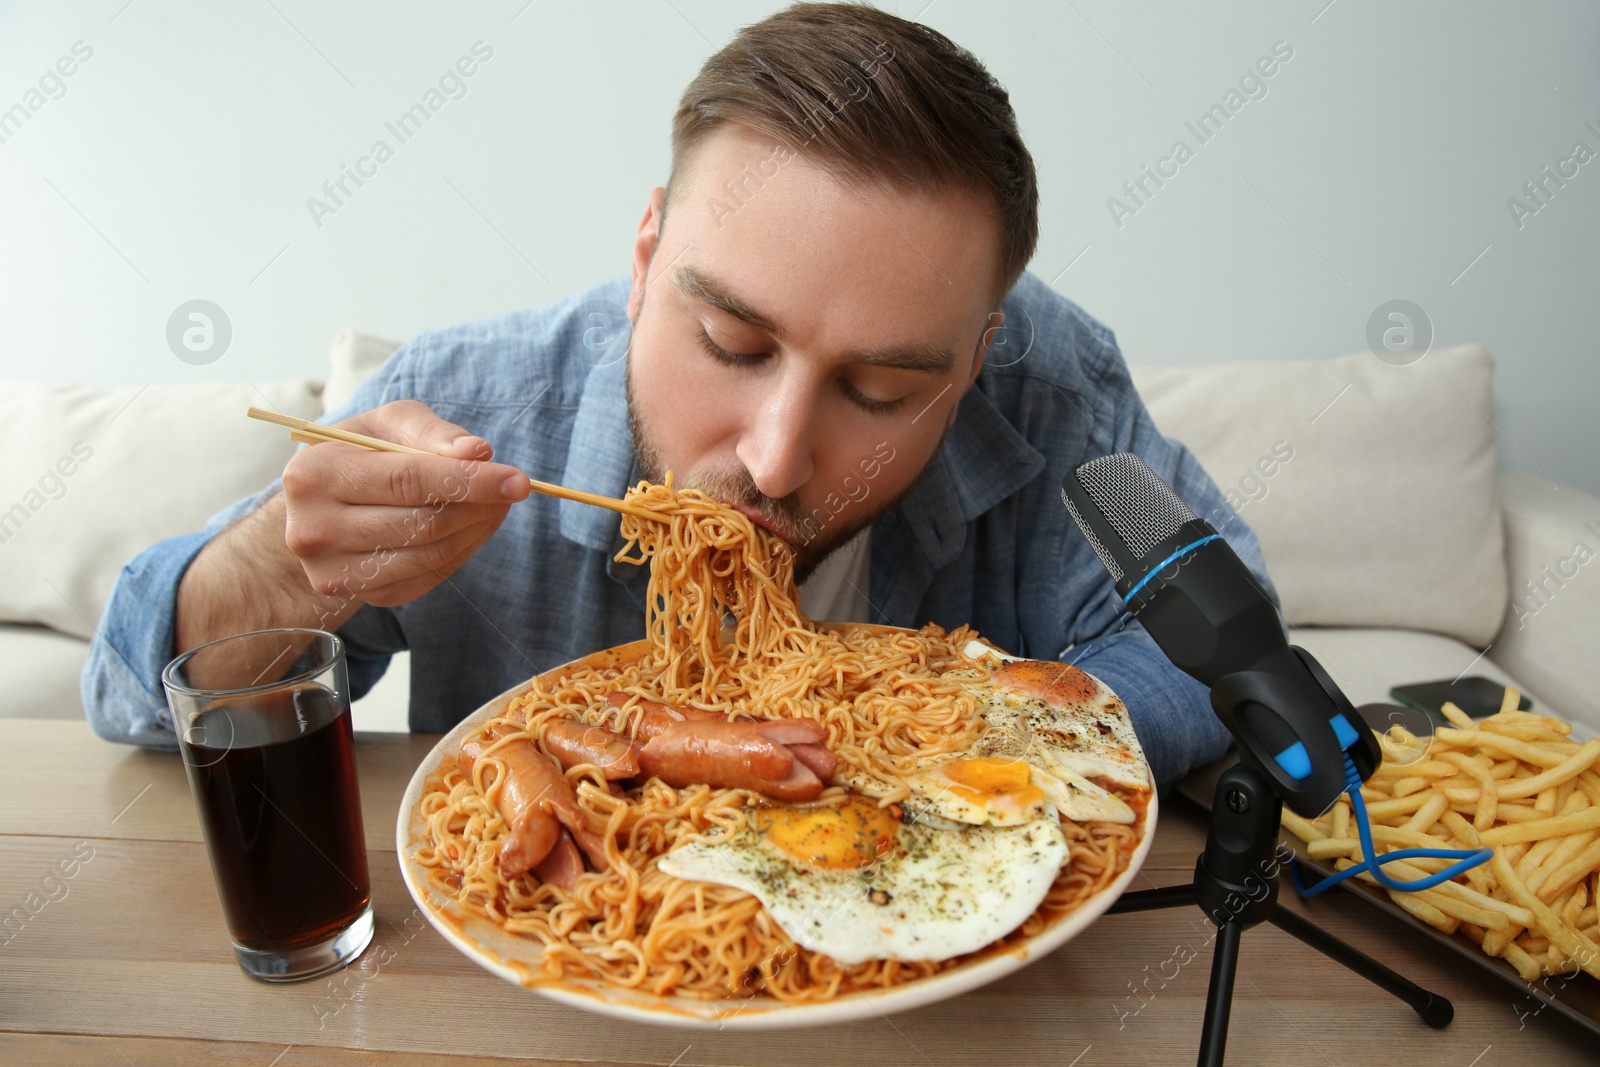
274,780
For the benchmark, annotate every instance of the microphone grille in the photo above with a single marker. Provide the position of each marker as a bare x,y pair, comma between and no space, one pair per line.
1141,508
1108,559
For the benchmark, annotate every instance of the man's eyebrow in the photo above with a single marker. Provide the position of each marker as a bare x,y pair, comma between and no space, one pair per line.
697,286
931,358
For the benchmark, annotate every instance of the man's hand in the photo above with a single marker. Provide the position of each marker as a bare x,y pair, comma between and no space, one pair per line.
385,526
351,527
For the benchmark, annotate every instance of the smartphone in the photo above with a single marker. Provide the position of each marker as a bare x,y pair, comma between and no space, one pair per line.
1477,696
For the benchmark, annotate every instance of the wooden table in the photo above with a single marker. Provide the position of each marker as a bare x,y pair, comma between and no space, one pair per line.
128,962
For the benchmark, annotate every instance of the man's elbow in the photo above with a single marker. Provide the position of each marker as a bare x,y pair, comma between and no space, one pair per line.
118,707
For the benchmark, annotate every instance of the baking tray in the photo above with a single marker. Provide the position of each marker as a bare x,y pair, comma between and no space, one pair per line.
1577,996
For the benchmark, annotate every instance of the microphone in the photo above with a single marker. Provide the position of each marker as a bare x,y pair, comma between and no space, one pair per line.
1210,616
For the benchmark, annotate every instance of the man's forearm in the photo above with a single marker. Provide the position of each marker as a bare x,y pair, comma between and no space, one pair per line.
1171,711
247,579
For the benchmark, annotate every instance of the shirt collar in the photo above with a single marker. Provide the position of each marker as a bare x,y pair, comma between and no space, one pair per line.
983,460
600,455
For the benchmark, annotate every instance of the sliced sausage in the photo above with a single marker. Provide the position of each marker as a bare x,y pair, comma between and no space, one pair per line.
793,731
649,717
574,742
729,755
803,738
822,762
536,801
534,831
592,844
563,865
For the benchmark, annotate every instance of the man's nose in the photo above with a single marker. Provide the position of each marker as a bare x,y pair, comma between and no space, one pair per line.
776,445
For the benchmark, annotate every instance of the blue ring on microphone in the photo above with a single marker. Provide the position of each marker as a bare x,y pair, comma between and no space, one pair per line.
1160,566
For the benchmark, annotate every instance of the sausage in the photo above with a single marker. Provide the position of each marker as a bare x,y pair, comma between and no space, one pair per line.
534,831
792,731
563,865
536,800
650,717
592,844
574,742
730,755
803,738
822,762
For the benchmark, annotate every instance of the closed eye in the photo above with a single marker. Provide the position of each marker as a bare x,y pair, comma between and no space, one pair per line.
868,404
731,359
747,360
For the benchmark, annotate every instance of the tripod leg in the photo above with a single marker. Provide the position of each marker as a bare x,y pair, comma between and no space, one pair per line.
1433,1009
1219,997
1150,899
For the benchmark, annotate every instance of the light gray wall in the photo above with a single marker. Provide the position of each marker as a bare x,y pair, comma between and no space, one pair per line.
178,161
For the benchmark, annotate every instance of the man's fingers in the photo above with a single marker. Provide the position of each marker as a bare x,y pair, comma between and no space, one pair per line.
368,527
375,575
414,570
359,476
408,422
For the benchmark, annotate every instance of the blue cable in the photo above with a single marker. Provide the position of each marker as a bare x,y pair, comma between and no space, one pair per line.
1374,863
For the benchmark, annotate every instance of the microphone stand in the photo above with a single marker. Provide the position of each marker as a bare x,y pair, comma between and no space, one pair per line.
1300,742
1236,885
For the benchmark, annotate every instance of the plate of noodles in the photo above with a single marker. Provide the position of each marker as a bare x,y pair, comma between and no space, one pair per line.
904,816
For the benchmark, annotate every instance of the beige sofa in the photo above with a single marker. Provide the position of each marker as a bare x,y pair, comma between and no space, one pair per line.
1400,553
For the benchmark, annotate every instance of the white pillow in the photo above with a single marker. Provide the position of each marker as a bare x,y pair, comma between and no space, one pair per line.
92,477
1371,486
352,357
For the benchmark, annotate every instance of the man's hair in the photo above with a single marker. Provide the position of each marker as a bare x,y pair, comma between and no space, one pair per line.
872,98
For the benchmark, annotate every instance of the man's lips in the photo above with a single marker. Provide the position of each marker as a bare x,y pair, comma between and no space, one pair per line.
759,517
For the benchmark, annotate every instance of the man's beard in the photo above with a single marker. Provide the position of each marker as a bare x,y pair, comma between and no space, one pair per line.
811,541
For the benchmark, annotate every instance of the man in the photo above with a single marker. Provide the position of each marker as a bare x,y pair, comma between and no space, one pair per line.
816,304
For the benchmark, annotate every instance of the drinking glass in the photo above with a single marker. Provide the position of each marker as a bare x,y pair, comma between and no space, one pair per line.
263,722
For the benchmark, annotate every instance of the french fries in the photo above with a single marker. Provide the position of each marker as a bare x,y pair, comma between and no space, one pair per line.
1514,781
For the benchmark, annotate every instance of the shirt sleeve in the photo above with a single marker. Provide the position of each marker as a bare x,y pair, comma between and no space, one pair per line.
121,681
1171,711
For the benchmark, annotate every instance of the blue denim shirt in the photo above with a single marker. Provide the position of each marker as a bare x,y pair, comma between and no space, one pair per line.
981,537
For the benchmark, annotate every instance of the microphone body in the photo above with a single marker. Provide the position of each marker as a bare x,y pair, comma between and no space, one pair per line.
1210,616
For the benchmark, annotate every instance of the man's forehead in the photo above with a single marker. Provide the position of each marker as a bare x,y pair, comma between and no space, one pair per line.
745,197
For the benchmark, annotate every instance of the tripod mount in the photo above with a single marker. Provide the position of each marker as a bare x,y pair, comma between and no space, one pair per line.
1236,885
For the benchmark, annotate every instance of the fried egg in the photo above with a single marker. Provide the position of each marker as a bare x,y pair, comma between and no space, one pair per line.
981,791
1055,734
855,883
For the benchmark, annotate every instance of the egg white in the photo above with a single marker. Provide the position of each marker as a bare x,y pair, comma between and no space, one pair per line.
939,893
1067,748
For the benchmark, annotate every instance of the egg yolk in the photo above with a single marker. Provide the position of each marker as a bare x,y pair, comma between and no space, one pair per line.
990,778
1060,685
852,834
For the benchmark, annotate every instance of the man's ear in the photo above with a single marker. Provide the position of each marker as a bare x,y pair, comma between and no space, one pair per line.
985,339
997,319
644,247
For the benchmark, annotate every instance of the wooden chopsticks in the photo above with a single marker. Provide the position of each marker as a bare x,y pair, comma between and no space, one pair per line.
313,433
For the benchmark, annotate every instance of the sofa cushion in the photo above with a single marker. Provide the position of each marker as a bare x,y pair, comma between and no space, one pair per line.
93,477
1371,486
351,358
1553,554
1366,663
41,669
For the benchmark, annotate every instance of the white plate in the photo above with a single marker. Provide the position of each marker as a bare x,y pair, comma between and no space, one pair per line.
514,958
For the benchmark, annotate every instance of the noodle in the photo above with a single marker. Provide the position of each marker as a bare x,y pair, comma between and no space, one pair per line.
887,699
